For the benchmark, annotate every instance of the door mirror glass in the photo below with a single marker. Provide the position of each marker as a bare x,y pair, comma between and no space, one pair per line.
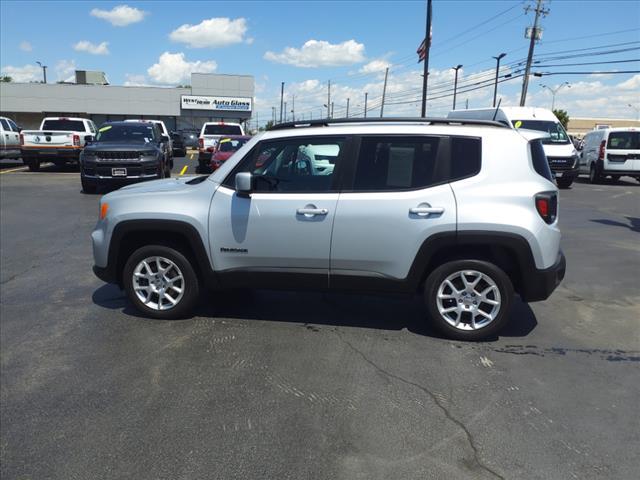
88,139
164,138
244,182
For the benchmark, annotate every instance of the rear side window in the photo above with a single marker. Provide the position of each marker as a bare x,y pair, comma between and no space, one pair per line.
539,159
222,130
62,124
5,125
624,141
411,163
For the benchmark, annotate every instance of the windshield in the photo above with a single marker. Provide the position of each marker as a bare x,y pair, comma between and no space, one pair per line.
222,130
230,145
140,133
557,135
624,141
62,124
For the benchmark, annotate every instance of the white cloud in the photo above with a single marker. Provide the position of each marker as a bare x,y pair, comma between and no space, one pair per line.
373,66
120,16
65,70
632,84
24,74
92,48
319,53
135,80
172,68
26,46
212,33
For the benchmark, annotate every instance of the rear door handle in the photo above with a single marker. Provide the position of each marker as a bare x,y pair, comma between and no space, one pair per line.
424,211
312,211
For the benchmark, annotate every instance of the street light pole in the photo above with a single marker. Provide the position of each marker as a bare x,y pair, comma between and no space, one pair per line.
455,84
366,94
44,71
554,91
495,88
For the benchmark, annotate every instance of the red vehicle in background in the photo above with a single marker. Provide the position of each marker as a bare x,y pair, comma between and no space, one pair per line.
226,147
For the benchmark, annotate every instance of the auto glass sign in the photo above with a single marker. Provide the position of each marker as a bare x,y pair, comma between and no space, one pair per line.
237,104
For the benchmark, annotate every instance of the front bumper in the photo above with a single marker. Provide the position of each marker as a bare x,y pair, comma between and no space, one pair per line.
538,285
565,173
105,274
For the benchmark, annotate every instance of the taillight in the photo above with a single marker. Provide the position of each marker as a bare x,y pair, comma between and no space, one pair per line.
201,143
547,206
21,139
603,144
76,140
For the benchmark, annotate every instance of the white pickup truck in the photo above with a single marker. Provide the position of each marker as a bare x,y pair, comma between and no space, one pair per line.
59,140
209,136
9,138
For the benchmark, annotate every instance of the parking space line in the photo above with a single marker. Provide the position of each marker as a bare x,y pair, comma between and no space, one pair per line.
184,169
18,169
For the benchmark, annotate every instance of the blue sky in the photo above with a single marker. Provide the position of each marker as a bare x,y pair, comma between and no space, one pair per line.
266,39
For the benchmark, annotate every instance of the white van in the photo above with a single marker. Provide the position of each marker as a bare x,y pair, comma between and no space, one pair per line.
611,152
560,151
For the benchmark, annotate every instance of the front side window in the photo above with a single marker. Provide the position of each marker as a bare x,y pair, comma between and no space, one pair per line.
557,135
293,165
13,126
396,163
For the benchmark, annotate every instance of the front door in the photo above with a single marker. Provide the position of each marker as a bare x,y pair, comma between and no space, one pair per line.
282,232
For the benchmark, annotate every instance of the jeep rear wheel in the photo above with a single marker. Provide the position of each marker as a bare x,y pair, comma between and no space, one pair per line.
468,299
161,282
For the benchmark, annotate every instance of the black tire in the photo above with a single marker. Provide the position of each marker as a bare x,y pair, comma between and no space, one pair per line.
499,278
88,186
186,304
564,182
615,178
594,174
32,163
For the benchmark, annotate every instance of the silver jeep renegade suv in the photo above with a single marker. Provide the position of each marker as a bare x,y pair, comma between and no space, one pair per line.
463,213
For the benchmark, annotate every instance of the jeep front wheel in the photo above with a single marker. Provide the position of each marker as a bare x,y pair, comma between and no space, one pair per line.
161,282
468,299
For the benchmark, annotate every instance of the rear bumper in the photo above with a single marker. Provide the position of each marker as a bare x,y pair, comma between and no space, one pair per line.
628,173
538,285
60,153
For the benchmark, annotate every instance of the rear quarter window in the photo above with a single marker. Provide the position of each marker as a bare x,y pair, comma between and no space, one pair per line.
539,159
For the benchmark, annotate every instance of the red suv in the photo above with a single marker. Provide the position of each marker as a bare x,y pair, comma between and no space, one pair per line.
226,147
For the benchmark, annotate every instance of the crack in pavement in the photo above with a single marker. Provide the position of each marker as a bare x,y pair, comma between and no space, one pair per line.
434,398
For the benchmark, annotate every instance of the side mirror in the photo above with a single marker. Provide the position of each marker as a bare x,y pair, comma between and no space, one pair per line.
164,138
244,183
88,139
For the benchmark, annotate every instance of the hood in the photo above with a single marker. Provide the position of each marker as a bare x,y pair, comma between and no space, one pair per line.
562,150
121,147
168,185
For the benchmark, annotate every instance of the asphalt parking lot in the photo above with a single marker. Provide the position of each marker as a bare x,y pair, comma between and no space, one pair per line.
286,385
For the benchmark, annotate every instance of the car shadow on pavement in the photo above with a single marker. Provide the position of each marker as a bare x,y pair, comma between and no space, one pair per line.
634,223
623,182
311,309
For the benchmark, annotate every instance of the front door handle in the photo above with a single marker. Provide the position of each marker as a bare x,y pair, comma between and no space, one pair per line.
310,212
424,211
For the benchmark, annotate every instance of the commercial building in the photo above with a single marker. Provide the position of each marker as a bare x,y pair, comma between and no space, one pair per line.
580,126
210,97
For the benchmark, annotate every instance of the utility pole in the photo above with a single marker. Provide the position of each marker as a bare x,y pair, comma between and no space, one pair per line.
534,33
384,91
331,110
44,71
293,107
329,99
347,108
495,87
285,111
466,105
281,99
427,46
455,85
366,94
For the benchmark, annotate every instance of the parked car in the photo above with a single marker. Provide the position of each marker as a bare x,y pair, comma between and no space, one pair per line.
178,147
209,136
166,138
9,138
59,140
560,151
123,152
462,212
611,152
226,147
190,138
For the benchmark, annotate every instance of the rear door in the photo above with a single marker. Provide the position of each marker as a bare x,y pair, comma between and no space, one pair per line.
282,231
399,197
623,151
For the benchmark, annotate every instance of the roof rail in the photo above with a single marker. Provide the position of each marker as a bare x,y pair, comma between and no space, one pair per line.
325,122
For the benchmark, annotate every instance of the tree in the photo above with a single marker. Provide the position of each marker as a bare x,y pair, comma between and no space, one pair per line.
563,116
267,126
6,79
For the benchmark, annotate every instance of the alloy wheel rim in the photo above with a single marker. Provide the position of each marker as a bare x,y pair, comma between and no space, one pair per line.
468,300
158,283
